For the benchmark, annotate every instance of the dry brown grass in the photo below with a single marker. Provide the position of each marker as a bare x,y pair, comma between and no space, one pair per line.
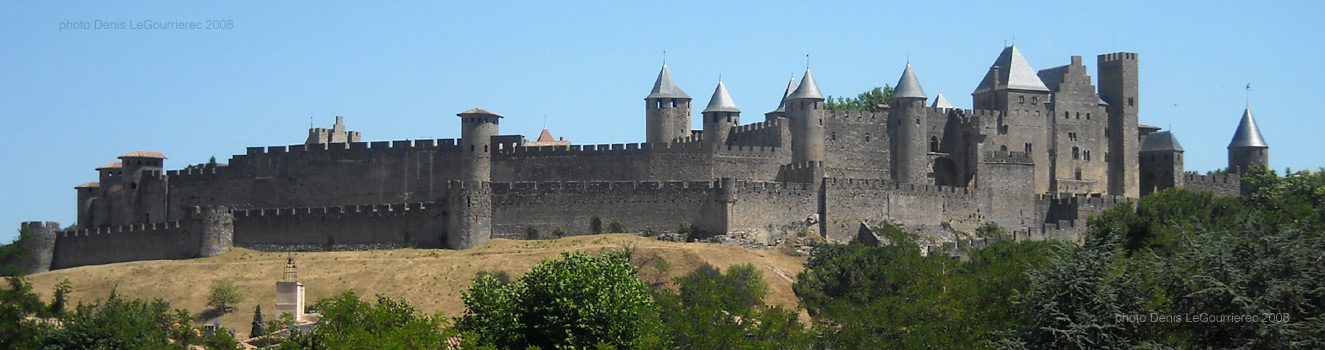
429,279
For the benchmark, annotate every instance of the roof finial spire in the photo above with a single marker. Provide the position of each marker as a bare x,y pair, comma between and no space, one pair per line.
1248,95
545,121
807,61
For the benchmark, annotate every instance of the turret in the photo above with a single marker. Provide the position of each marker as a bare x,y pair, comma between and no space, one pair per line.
667,110
40,247
1247,148
781,112
805,109
1120,89
906,124
1160,163
477,127
719,117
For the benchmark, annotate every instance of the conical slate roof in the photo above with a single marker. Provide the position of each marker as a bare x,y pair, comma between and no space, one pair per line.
664,87
1248,134
782,104
941,102
1014,73
908,86
721,101
807,89
1161,141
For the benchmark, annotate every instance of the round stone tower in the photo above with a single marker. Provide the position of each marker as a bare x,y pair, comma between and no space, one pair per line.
215,227
40,246
805,109
1247,148
906,123
667,110
477,127
719,117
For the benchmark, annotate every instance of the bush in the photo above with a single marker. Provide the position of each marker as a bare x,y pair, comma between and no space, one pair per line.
616,227
596,225
530,232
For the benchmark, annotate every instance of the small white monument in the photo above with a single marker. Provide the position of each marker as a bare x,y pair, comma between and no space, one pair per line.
289,292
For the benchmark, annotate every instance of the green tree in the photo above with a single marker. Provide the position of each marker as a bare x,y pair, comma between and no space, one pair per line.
577,301
258,329
223,295
349,322
715,310
865,101
60,297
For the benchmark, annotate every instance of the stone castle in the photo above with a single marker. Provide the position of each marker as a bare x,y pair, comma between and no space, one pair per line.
1039,153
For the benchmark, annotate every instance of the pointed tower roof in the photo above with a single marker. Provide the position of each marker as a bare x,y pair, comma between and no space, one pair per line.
908,86
807,88
664,87
1161,141
721,101
1014,73
1248,134
545,136
941,102
782,104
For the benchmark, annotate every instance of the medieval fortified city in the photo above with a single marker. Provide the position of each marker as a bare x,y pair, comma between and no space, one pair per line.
1040,152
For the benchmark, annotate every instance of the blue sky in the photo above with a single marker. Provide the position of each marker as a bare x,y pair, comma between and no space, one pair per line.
75,99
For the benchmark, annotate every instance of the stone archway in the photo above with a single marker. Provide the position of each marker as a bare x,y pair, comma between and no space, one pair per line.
945,173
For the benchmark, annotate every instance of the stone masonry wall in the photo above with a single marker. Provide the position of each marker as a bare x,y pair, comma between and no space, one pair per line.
571,206
355,227
1221,185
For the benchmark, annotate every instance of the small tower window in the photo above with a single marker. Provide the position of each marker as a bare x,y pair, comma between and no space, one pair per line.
833,136
1078,174
1087,115
1130,102
867,137
1078,115
1021,99
1028,149
1003,148
933,144
1035,99
1067,115
1076,153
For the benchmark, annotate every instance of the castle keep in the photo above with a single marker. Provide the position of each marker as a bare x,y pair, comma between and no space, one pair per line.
1040,152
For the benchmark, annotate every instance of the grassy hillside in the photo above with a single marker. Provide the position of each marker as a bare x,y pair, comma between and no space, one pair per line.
430,279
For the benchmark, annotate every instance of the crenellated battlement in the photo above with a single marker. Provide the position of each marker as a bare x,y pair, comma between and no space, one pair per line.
895,187
1117,56
764,186
754,127
158,226
1228,178
410,145
392,209
599,186
880,117
1007,157
1093,199
40,225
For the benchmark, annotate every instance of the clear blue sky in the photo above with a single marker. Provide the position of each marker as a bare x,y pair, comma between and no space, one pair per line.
74,99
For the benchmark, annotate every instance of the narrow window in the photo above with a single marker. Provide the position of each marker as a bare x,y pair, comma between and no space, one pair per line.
867,137
1078,115
1021,99
1130,102
657,104
1035,99
833,136
1087,115
485,148
917,121
933,144
673,103
1076,153
1067,115
1028,149
1078,174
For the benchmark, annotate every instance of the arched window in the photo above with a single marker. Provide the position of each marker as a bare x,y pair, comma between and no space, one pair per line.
1003,148
933,144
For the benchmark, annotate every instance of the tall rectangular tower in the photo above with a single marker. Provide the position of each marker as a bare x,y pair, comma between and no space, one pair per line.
1119,88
